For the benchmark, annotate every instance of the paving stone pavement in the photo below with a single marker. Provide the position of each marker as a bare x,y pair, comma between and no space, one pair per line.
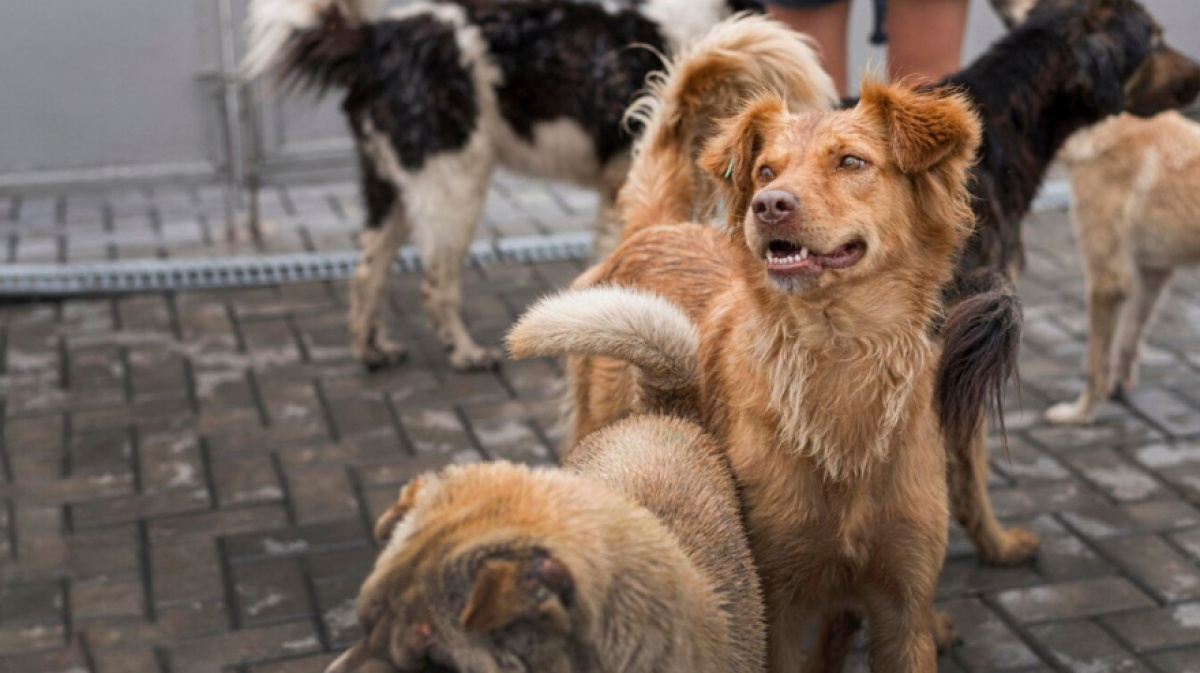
169,220
188,481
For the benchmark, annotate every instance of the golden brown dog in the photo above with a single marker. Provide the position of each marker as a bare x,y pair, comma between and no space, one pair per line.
633,558
800,337
1137,213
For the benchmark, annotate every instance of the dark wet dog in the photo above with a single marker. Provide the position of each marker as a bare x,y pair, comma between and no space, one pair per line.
1066,64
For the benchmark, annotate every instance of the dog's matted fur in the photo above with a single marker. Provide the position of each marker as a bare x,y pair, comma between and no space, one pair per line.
1136,210
437,94
800,337
632,558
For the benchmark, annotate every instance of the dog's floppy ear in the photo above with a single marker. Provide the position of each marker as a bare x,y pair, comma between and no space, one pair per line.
729,157
925,127
388,520
508,589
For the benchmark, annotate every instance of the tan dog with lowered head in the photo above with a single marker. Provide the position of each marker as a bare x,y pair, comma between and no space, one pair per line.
633,558
800,337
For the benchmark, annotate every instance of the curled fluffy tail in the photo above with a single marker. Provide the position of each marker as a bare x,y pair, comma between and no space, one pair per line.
637,327
307,42
702,85
982,339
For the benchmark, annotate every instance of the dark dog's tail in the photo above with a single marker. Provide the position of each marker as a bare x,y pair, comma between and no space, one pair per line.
308,43
981,341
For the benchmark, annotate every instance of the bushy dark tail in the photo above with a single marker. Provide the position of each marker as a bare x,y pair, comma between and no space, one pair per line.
981,342
308,43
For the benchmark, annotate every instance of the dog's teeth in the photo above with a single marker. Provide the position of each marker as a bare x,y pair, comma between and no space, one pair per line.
803,253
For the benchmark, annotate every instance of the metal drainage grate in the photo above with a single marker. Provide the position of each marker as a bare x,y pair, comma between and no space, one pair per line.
28,280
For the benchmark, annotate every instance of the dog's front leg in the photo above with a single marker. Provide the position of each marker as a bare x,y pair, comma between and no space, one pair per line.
972,507
833,643
902,629
787,627
1148,285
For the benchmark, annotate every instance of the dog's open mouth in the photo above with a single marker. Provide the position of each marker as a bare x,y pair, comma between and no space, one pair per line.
788,258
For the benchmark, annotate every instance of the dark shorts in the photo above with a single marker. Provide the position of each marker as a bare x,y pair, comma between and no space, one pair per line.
878,35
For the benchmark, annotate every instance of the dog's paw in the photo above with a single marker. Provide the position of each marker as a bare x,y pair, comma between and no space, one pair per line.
1068,412
1128,383
474,358
944,634
1017,546
382,355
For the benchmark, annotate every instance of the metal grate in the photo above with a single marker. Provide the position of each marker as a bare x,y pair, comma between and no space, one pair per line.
158,275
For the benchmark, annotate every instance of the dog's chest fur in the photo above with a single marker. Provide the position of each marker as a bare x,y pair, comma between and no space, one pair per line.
835,447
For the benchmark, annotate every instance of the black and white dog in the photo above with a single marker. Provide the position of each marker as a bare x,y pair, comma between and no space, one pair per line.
440,93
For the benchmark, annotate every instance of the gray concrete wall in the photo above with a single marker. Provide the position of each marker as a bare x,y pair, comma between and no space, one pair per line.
87,83
92,85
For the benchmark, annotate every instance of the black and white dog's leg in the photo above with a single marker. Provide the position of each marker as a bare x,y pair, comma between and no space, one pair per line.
386,230
448,195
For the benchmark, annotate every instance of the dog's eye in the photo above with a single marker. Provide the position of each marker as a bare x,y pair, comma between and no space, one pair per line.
765,174
851,163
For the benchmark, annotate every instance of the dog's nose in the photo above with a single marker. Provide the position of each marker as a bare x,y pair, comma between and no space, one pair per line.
774,206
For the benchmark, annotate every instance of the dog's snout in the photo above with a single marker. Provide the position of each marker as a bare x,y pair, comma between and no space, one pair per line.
774,206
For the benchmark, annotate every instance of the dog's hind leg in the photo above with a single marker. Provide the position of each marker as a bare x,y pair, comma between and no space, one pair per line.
968,470
1148,285
1110,281
447,201
386,230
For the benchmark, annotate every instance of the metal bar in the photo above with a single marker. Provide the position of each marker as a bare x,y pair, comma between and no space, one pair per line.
162,275
231,118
